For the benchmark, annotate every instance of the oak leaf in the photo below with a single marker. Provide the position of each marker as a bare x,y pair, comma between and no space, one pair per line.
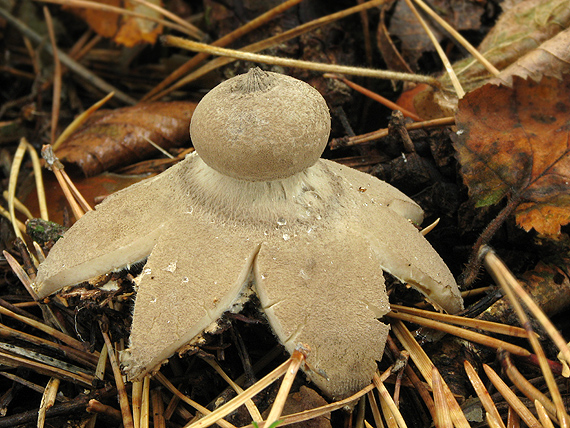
514,143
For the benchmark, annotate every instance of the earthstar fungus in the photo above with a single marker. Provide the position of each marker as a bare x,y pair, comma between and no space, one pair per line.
255,205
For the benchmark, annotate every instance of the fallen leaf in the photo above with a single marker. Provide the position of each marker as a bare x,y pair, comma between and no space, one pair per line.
514,142
123,29
114,138
552,58
521,29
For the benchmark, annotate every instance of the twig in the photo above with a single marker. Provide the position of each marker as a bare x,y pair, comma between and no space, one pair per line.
490,326
381,133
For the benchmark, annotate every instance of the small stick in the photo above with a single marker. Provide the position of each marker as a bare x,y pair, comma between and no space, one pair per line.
381,133
80,120
95,406
48,400
297,358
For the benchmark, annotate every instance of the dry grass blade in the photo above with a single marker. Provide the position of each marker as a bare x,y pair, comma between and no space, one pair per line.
297,358
483,394
18,205
20,273
80,120
385,396
425,366
164,381
233,404
512,288
513,420
56,334
492,327
287,62
511,398
446,63
193,31
251,407
319,411
468,46
375,410
136,400
524,385
461,332
145,403
442,420
157,409
388,416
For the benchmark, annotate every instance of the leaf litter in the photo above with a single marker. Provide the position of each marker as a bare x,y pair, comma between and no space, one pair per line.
515,143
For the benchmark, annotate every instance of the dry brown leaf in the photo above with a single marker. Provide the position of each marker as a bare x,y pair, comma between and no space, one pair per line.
552,58
515,143
123,29
115,138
